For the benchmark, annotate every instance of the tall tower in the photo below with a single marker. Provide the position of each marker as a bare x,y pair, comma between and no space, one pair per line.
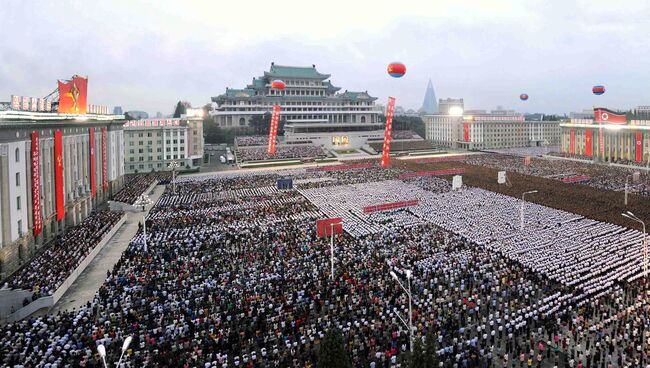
430,103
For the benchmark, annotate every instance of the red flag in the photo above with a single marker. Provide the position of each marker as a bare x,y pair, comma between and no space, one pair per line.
324,227
73,95
36,185
603,115
93,188
639,146
589,142
58,175
388,131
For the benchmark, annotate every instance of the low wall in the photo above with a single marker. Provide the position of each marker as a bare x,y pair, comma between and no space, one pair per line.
8,298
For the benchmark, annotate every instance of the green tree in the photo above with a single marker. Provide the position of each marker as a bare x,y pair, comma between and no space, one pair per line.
332,351
414,123
431,351
180,110
260,124
418,356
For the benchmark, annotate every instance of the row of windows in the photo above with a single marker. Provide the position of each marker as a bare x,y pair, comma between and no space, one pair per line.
295,103
149,143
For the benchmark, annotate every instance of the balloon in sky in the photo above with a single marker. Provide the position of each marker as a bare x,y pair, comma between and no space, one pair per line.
523,97
278,84
396,69
598,90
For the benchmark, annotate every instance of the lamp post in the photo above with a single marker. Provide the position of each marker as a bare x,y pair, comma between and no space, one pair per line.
409,325
633,217
626,187
102,351
521,211
332,248
144,200
173,166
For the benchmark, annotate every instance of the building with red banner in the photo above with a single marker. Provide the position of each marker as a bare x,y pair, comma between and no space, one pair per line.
608,136
313,110
54,170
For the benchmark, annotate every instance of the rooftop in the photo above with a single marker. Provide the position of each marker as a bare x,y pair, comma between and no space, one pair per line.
283,71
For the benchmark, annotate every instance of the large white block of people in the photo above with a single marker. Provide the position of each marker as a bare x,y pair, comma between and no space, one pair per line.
236,276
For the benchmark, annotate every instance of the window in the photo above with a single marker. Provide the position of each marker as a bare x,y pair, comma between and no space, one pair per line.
20,227
18,203
17,179
17,154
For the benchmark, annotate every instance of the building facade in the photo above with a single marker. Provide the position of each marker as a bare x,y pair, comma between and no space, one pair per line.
88,154
152,144
607,139
478,130
312,108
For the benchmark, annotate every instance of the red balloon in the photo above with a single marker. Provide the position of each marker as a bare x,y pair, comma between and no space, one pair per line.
278,84
396,69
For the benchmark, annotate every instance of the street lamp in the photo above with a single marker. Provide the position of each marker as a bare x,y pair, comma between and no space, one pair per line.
633,217
102,351
521,211
144,200
409,325
626,187
332,248
173,166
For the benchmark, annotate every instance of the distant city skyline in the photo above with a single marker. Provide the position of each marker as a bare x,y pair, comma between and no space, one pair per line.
145,57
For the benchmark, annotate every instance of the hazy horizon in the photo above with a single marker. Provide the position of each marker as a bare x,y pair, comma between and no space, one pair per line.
148,55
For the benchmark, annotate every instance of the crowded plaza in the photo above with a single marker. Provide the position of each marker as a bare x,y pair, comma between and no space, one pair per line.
236,275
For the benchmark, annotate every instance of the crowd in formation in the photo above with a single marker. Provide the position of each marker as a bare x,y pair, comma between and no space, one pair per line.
284,151
52,266
236,276
622,161
600,176
136,184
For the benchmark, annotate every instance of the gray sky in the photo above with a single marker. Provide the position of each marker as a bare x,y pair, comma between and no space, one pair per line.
149,54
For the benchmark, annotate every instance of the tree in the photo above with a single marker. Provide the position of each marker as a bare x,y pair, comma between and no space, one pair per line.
414,123
261,123
180,109
332,351
418,357
431,351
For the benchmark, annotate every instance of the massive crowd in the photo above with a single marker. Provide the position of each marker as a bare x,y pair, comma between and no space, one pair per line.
251,140
52,266
282,152
235,276
600,176
136,184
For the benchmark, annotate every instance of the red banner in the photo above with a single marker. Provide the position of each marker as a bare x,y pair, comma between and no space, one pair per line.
273,130
602,115
589,142
388,131
454,171
390,206
466,132
58,174
104,177
93,188
324,227
572,141
36,185
639,146
575,179
73,95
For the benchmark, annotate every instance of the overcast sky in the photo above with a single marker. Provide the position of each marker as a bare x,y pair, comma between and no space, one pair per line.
146,55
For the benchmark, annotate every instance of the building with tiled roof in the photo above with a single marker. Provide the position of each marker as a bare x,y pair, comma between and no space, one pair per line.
312,108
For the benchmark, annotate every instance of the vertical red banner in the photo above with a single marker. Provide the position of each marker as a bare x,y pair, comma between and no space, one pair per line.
466,132
572,141
639,146
93,187
388,131
58,175
36,185
104,177
589,142
273,130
